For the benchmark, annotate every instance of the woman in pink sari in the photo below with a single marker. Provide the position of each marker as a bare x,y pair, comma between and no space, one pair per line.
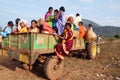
63,49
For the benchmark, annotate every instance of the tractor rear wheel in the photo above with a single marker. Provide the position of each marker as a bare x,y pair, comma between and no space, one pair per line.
91,49
53,68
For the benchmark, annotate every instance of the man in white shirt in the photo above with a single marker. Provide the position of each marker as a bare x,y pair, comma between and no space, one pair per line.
77,20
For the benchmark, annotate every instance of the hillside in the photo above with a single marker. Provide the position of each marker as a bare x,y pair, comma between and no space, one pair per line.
107,31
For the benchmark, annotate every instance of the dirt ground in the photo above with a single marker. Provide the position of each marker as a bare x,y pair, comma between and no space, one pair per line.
106,66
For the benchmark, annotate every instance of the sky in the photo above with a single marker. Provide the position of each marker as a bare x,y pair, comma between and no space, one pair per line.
103,12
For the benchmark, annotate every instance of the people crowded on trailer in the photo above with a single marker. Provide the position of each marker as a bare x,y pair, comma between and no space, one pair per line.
55,23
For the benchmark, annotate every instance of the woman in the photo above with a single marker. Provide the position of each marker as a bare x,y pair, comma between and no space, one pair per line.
22,26
61,20
48,16
33,27
44,27
71,20
62,49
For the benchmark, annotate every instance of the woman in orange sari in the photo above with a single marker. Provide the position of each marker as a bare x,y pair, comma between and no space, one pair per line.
63,49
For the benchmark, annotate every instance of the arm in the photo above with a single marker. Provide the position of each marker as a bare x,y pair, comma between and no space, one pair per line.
59,36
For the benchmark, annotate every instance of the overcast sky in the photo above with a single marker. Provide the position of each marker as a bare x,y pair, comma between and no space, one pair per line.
104,12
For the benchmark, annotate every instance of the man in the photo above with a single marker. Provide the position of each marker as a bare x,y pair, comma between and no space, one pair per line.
77,19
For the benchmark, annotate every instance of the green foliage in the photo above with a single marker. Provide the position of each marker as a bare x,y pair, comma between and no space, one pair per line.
117,36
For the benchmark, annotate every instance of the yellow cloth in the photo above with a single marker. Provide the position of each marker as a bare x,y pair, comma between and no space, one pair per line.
34,30
24,29
72,28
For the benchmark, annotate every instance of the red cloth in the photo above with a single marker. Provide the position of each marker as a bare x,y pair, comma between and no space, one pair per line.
47,27
63,48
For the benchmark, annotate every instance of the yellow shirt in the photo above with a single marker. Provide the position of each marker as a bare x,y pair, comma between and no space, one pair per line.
24,29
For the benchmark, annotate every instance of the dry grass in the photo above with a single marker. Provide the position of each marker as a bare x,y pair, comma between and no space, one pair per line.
105,67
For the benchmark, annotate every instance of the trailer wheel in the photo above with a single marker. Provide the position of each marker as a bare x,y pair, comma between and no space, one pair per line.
91,49
53,68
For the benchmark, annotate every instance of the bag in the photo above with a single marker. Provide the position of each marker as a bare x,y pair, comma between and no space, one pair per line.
90,35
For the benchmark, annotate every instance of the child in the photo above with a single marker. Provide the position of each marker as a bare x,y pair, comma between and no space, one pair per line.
82,30
55,19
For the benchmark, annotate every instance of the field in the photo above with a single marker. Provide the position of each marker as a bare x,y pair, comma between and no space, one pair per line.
106,66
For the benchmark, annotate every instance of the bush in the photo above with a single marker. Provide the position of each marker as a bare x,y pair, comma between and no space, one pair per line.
117,36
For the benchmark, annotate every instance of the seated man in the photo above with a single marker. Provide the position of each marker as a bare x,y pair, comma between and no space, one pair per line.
7,30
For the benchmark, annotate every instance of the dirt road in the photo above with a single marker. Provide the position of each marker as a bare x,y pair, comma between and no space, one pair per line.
105,67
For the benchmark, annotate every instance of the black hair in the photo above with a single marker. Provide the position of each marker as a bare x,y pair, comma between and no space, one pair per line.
56,10
17,21
62,8
50,8
77,14
34,21
10,23
81,23
68,25
90,25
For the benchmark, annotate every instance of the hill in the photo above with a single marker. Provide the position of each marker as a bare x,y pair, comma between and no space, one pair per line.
107,31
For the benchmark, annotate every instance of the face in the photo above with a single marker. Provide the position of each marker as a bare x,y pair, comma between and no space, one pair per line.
70,19
55,13
67,27
10,25
79,24
33,24
22,24
50,11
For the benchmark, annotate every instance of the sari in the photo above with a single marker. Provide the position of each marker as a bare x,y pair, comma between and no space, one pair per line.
61,23
82,31
63,49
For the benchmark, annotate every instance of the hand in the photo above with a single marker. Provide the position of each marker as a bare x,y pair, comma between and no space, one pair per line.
55,34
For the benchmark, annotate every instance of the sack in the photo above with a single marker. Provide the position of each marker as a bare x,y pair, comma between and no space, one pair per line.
90,35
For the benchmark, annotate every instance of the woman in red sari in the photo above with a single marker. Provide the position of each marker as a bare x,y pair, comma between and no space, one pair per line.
63,49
